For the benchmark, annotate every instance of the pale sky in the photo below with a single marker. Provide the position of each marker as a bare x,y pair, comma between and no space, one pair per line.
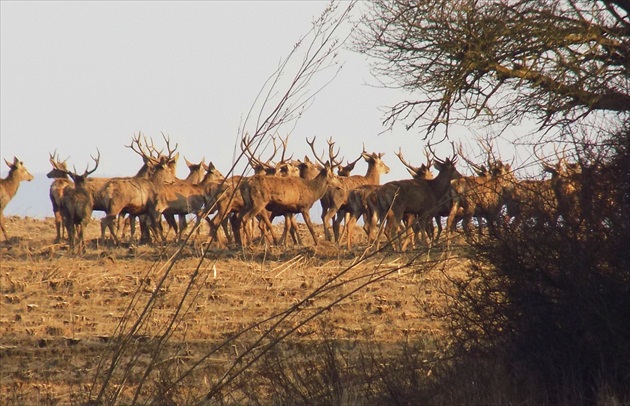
77,76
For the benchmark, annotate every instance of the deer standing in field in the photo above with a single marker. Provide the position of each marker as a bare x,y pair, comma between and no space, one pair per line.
137,195
76,208
228,198
481,196
422,198
359,198
59,173
9,186
566,184
532,199
335,199
284,195
183,199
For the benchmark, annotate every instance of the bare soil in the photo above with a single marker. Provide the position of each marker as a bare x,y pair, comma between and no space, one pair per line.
59,310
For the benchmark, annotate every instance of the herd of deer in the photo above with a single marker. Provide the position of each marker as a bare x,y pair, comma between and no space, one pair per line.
403,209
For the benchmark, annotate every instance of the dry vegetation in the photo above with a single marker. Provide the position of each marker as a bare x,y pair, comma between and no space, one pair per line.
60,312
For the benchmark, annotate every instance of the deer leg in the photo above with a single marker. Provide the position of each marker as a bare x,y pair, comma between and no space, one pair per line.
4,231
326,222
81,243
295,231
172,224
450,224
59,227
309,224
349,227
336,223
108,223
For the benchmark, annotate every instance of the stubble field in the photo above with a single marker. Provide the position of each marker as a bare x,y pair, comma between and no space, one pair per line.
61,313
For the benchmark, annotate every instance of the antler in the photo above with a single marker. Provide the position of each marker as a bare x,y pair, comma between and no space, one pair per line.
87,171
96,161
284,149
56,162
136,146
477,168
410,167
253,161
171,151
331,149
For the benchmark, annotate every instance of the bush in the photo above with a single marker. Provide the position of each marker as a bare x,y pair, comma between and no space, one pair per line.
553,302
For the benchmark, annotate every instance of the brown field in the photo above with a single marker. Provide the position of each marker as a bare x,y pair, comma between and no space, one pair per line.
59,312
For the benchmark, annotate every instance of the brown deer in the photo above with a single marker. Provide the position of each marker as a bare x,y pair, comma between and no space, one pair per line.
423,198
532,199
76,208
183,204
59,173
335,199
358,201
183,197
138,195
481,196
566,184
283,195
9,186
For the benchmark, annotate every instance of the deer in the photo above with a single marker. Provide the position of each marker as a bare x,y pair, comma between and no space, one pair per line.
9,186
334,202
284,168
423,198
183,197
195,201
533,199
283,195
76,206
137,195
566,184
59,173
481,196
359,198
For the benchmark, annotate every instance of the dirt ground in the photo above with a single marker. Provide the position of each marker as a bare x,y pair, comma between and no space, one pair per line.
59,310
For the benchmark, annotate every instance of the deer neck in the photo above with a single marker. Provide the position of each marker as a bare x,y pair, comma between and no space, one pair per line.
143,172
441,183
319,185
372,176
11,183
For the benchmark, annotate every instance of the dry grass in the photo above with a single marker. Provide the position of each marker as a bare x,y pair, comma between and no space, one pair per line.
59,311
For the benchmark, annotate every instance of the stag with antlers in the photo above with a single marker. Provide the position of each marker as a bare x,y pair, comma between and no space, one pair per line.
59,173
138,195
565,182
335,200
9,186
76,206
285,195
422,198
481,196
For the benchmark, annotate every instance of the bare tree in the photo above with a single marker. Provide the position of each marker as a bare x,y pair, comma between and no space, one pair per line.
555,61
